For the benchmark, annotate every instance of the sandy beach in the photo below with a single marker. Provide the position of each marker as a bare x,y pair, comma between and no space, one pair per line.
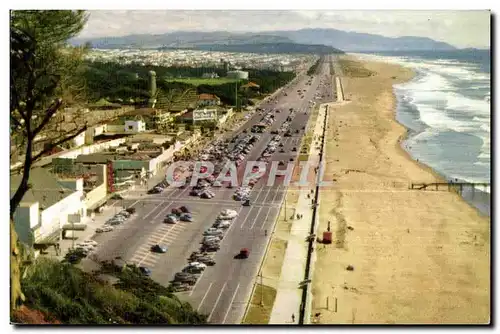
417,256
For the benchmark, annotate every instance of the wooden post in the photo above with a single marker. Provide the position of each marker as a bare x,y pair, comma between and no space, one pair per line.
327,306
335,304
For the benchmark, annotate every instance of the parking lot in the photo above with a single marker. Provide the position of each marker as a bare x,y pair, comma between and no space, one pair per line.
222,290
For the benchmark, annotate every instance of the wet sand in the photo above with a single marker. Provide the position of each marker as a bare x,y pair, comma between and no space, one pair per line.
417,256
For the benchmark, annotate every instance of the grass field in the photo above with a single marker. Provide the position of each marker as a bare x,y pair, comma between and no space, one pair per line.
203,81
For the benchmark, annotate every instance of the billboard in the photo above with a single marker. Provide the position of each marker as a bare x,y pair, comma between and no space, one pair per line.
204,115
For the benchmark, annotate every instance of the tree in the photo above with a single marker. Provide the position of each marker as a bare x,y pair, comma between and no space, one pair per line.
43,79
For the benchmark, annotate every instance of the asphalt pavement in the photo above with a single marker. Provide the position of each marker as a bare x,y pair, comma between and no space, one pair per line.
223,290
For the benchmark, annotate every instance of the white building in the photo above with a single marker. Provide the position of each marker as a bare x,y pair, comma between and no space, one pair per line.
46,207
135,126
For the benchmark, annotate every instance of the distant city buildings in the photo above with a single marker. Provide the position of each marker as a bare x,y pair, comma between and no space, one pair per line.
193,58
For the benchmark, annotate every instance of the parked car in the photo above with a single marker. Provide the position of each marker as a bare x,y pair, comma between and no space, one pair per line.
159,249
184,209
117,196
170,219
207,260
131,210
186,217
145,271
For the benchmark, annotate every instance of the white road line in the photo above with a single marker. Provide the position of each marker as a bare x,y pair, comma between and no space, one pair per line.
231,304
205,296
134,203
217,301
248,214
278,191
150,212
197,281
256,217
149,254
265,219
161,211
267,194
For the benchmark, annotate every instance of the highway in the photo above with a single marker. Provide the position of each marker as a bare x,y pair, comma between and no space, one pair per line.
223,290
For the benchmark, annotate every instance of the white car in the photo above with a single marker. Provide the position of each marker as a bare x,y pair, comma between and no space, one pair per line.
219,232
197,264
90,242
229,213
224,224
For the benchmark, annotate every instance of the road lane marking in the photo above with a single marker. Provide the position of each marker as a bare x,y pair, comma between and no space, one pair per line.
265,219
150,212
132,205
159,242
278,191
197,281
256,217
231,303
161,211
267,194
205,296
248,214
217,301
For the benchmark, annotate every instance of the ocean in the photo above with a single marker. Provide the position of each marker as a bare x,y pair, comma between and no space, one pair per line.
446,109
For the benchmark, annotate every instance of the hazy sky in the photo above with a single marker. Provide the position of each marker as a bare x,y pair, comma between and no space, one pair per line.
459,28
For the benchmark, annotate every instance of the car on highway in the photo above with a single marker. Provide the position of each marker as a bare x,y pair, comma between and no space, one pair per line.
159,248
243,254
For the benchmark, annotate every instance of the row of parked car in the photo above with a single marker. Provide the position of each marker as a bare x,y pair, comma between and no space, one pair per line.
179,214
118,219
199,260
159,188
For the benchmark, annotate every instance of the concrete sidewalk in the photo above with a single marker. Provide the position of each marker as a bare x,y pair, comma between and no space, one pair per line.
289,294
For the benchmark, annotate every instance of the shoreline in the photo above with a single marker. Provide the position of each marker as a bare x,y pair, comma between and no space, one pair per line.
406,135
412,253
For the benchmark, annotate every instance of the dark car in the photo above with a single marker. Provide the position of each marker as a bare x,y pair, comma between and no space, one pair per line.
159,249
145,271
176,211
206,260
131,210
117,196
294,149
243,254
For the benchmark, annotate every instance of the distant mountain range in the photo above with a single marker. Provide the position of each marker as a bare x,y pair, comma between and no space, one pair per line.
288,48
316,39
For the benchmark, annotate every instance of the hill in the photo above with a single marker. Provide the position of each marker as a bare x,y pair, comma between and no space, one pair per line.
358,42
181,39
343,40
59,292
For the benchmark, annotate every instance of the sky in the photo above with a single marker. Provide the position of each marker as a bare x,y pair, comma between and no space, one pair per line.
459,28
